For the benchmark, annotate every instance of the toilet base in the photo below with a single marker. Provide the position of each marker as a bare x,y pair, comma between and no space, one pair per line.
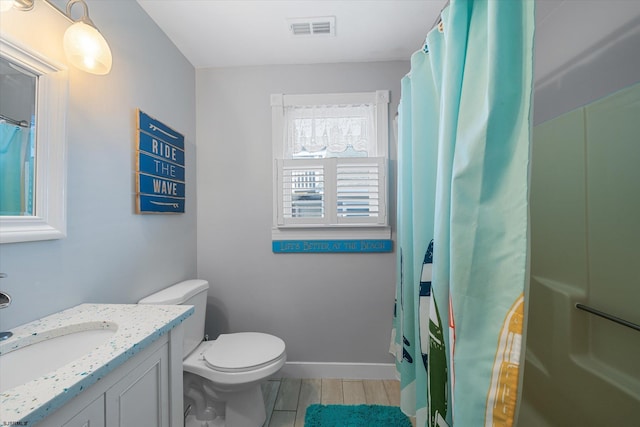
192,421
245,408
235,396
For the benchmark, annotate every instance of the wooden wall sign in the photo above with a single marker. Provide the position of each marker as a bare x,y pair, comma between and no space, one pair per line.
160,174
331,246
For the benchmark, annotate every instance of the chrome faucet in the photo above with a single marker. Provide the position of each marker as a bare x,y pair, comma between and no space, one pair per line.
5,301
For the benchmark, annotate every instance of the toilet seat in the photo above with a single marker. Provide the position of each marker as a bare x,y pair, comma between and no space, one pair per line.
243,351
236,375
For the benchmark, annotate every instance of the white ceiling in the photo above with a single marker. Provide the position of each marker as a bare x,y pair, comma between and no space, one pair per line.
224,33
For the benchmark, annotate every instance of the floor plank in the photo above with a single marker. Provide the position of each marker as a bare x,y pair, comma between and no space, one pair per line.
353,392
392,387
283,419
287,399
331,391
270,393
375,392
310,392
288,394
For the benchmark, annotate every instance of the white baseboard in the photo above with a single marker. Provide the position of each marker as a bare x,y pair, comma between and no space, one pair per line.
356,371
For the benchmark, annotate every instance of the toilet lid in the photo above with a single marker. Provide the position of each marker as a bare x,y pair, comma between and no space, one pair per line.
243,351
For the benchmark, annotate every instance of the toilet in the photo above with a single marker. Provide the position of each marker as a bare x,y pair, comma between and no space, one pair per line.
222,377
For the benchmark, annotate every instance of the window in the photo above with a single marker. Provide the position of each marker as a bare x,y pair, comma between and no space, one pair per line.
330,165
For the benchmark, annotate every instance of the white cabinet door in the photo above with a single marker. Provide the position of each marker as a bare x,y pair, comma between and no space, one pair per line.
91,416
141,398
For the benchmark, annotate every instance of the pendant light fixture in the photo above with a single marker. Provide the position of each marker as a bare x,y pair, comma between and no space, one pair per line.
22,5
83,44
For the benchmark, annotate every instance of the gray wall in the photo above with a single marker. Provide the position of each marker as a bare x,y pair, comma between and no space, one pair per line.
585,74
327,307
110,254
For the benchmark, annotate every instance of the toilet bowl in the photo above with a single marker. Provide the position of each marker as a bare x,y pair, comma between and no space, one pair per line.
222,377
236,381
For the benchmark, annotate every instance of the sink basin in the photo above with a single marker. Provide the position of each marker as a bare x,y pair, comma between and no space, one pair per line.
26,358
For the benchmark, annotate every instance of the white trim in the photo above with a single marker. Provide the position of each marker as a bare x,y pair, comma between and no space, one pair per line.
331,233
355,371
49,219
333,98
329,227
382,122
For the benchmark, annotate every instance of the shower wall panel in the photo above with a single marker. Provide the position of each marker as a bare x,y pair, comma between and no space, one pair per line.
581,369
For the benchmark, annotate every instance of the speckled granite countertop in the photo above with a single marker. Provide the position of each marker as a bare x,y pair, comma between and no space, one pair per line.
137,327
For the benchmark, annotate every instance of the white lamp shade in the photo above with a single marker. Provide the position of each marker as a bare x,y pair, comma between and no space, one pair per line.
6,5
86,49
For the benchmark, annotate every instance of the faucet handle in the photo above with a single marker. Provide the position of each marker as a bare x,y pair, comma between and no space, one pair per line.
5,300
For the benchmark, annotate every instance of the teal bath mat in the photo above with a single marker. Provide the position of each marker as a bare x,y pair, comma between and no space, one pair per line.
355,416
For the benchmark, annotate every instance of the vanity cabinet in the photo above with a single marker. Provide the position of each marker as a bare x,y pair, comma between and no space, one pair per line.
141,397
145,391
91,416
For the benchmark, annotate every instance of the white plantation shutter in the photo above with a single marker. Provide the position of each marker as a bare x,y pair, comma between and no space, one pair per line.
302,197
332,191
360,191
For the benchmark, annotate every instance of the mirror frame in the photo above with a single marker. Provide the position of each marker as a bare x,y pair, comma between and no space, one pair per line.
49,219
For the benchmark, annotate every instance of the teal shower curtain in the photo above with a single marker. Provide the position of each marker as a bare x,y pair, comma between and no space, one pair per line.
463,159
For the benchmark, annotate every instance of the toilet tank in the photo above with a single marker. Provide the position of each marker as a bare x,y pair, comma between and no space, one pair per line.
189,292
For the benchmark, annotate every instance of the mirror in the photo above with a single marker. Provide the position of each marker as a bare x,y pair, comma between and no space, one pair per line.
17,138
33,109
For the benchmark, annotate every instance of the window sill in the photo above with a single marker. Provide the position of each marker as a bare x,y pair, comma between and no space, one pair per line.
324,232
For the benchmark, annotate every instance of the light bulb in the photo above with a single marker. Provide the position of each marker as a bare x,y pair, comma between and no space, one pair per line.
6,5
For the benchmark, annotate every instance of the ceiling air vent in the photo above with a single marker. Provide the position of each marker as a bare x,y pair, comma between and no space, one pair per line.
323,26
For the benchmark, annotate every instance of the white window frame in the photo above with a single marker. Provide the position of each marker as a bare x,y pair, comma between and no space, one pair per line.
331,227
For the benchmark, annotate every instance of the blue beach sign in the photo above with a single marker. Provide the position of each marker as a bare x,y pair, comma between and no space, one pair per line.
159,130
158,167
157,147
155,204
331,246
160,174
149,184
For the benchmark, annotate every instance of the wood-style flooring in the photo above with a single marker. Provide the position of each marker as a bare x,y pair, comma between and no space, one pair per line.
287,399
